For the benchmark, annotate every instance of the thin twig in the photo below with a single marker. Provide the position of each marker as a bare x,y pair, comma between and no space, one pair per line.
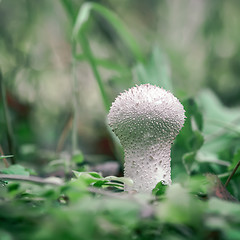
4,159
33,179
10,137
231,175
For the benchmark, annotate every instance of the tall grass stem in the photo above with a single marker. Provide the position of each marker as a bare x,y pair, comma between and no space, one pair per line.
90,58
75,102
9,129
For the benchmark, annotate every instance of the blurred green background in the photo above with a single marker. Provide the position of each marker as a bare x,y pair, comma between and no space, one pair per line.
63,67
62,63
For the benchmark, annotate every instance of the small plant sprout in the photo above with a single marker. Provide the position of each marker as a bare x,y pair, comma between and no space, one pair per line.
146,119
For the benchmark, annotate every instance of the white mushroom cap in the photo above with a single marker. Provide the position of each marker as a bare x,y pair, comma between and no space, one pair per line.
146,119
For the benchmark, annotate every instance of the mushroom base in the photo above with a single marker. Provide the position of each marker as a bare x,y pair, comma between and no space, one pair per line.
147,168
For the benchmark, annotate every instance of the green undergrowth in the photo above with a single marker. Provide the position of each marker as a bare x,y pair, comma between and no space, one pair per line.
72,201
92,207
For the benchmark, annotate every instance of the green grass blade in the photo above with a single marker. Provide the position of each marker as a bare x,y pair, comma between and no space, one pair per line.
69,9
75,103
9,128
84,15
88,53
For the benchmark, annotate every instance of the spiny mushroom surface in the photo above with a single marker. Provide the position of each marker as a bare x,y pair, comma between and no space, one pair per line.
146,119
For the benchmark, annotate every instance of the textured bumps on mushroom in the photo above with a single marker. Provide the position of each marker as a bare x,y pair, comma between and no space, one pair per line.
146,119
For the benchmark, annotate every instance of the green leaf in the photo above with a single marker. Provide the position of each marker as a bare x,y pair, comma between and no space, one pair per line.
68,5
188,161
96,179
124,180
235,160
81,21
190,137
196,141
78,35
13,187
78,158
88,177
179,207
221,123
5,235
95,175
15,169
160,189
155,71
198,184
100,183
84,15
224,208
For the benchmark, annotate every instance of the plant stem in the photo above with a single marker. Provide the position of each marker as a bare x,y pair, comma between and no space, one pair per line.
90,58
66,129
10,137
75,102
4,159
29,179
231,175
68,6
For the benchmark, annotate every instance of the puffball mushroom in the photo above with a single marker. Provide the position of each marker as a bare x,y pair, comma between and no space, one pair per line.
146,119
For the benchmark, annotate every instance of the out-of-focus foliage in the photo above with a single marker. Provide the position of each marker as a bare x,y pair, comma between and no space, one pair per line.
62,64
71,212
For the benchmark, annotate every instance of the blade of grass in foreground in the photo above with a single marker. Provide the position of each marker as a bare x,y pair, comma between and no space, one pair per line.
80,27
68,6
84,15
75,103
7,119
79,34
88,53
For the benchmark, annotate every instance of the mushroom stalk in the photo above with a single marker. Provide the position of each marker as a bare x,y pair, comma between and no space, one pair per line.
146,119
